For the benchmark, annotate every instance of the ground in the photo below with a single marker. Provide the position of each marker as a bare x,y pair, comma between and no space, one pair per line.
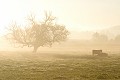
53,65
64,61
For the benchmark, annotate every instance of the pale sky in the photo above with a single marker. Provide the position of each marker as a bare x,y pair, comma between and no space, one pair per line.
77,15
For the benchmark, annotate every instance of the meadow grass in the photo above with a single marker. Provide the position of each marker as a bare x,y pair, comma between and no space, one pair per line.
58,66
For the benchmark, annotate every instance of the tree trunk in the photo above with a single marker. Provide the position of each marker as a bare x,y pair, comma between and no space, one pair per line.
35,49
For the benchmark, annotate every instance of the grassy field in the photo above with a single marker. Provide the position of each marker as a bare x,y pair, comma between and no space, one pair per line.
68,61
58,65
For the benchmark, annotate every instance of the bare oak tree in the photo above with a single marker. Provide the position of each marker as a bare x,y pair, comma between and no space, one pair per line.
38,34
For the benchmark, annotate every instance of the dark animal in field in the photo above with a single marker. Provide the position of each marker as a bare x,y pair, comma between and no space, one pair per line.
103,55
96,52
99,53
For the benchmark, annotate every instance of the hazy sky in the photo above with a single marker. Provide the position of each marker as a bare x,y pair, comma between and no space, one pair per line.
75,14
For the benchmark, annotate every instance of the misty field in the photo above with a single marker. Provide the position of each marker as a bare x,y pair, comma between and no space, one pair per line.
68,61
58,65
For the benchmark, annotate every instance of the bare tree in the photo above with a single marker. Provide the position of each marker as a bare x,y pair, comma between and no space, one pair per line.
38,34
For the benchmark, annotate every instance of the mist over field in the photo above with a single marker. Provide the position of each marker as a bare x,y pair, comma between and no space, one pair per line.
77,41
60,40
70,60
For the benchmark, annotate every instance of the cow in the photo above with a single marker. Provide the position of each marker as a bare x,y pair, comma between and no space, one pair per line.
96,52
103,55
99,53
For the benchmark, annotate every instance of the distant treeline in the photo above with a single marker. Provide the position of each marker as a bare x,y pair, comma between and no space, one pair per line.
102,38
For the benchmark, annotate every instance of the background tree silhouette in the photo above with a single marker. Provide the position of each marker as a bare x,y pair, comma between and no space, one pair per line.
117,38
38,34
99,38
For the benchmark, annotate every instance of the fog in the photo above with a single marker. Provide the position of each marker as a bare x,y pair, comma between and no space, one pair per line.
59,39
82,41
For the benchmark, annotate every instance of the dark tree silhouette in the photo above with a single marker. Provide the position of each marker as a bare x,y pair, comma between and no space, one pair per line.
38,34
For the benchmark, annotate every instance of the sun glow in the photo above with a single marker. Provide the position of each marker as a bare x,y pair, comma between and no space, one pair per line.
16,11
74,14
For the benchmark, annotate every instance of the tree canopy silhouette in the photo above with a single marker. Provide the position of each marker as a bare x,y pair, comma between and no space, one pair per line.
38,34
97,37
